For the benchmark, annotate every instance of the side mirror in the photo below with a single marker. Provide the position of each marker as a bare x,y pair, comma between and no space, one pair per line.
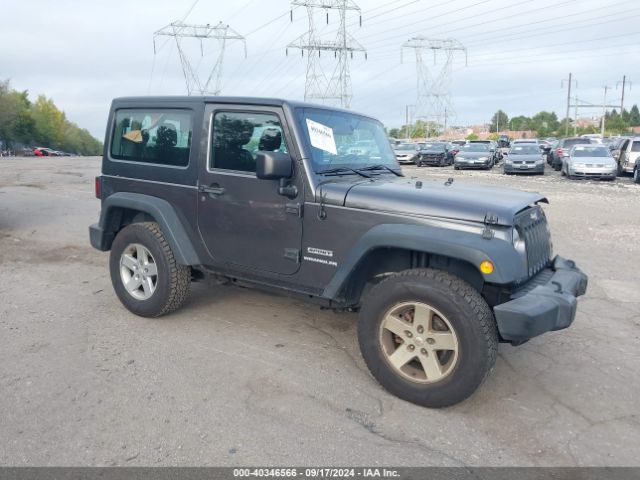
505,153
492,150
273,165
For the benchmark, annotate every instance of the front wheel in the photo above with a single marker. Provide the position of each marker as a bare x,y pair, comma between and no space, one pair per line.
144,273
427,337
636,175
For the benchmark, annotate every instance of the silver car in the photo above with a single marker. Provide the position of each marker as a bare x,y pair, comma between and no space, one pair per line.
406,152
589,161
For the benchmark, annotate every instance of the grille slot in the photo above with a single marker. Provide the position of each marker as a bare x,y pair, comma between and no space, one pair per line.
532,224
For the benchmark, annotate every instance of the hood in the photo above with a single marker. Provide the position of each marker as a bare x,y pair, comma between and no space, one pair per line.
405,152
461,201
462,154
433,151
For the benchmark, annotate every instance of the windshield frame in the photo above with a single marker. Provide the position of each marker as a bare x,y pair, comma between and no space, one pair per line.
380,139
590,148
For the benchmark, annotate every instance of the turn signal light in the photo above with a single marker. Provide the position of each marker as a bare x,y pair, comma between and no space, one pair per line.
486,267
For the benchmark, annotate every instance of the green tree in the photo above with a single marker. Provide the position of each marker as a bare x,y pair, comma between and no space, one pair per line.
499,121
394,132
520,123
545,123
472,136
634,116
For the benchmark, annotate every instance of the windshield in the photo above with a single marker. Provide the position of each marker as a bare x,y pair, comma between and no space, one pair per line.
434,146
475,147
406,146
590,152
525,149
340,139
575,141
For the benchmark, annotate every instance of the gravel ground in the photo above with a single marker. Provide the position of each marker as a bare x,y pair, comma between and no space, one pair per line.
239,377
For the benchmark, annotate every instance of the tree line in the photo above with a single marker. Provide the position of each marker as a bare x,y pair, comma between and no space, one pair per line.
40,123
544,123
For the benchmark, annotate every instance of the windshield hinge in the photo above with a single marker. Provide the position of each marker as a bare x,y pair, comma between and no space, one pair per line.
491,218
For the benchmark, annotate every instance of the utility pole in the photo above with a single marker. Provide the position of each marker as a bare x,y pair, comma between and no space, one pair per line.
334,88
575,117
444,131
604,109
432,88
569,84
220,32
624,84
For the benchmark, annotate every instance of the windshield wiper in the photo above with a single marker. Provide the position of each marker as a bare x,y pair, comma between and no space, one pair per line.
330,171
381,167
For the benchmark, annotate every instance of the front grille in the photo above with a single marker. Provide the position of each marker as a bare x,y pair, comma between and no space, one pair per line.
532,225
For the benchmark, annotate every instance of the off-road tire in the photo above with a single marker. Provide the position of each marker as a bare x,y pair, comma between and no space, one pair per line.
468,314
173,282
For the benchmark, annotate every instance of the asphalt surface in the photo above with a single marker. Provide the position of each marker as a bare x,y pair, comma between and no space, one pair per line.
239,377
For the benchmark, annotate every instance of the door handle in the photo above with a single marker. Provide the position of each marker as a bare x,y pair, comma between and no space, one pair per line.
213,190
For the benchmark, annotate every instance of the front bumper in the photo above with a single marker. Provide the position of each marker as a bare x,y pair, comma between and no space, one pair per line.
432,160
548,302
593,172
523,168
472,164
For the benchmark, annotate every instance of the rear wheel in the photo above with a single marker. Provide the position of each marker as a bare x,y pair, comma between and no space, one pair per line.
636,175
144,273
427,337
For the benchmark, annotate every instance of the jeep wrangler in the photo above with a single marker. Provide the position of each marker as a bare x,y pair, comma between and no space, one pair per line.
274,194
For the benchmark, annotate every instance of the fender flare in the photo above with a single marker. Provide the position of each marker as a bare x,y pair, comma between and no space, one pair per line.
465,246
162,212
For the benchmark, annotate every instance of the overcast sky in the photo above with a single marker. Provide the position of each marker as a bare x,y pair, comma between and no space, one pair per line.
84,53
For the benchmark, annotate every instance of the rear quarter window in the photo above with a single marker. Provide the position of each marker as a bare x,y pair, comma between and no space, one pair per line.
154,136
635,147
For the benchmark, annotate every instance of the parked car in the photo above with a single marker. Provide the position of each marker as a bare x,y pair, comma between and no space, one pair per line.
626,154
434,153
636,172
523,158
344,232
406,152
562,150
44,152
589,161
496,154
503,141
474,155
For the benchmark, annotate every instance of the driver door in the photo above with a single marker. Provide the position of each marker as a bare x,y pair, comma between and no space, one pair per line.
243,221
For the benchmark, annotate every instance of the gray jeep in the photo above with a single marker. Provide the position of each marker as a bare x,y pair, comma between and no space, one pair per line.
274,194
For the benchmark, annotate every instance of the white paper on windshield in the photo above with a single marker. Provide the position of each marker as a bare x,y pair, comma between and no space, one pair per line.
321,137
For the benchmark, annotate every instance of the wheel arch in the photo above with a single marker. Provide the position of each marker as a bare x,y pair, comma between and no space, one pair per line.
124,208
387,249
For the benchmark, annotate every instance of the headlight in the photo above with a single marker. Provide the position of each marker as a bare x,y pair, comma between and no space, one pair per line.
518,242
539,161
483,158
508,161
460,158
577,165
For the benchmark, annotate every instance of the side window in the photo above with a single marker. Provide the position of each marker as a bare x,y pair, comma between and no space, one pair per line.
152,136
239,136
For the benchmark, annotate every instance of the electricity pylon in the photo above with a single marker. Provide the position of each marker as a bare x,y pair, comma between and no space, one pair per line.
433,86
202,33
333,89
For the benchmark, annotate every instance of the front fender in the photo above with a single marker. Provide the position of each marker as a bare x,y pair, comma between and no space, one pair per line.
160,210
465,246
